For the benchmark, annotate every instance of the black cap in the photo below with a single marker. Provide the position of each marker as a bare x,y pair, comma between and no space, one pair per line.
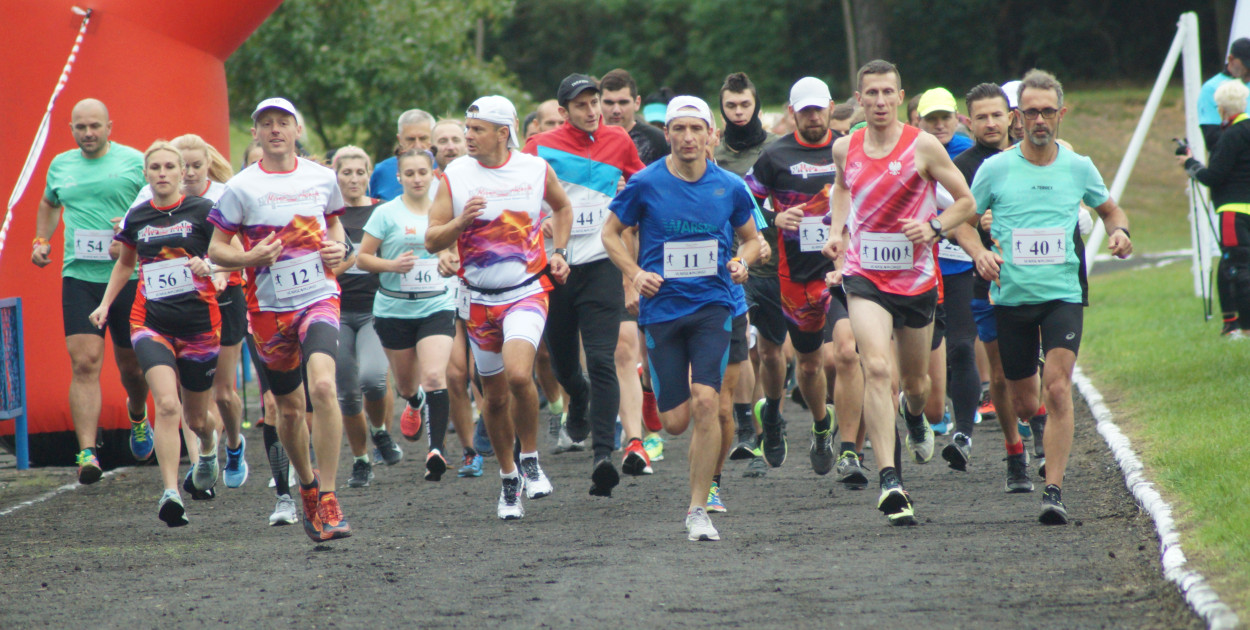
575,84
1241,50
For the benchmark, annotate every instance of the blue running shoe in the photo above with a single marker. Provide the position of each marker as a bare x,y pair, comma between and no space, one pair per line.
236,465
141,442
481,441
714,504
472,466
943,427
1026,431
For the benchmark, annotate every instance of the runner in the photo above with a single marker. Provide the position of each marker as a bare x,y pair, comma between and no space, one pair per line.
621,103
490,209
414,126
683,208
361,366
175,324
591,158
884,195
1035,190
90,189
413,309
448,144
285,210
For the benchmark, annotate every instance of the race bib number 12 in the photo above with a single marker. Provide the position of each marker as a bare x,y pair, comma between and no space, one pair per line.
298,276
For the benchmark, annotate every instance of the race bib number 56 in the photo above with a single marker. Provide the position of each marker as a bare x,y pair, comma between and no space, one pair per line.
168,278
690,259
885,251
298,276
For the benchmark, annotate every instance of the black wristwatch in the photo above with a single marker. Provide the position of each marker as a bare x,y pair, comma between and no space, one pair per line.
937,226
1125,230
564,253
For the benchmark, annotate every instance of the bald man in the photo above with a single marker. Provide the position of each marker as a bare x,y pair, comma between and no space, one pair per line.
549,115
90,188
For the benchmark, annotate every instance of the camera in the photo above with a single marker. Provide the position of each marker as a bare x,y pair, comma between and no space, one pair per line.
1182,147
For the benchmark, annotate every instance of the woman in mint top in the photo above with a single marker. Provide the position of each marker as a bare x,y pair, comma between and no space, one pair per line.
413,310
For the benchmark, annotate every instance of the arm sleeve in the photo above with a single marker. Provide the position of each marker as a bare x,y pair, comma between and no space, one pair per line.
744,207
1223,160
1095,189
377,226
627,205
982,191
227,213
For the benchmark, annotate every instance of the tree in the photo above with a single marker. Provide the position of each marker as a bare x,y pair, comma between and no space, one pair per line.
352,66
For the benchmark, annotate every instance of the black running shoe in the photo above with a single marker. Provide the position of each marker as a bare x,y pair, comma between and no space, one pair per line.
576,424
895,502
196,494
774,442
362,474
745,446
1037,426
958,452
1053,512
387,450
1018,474
603,477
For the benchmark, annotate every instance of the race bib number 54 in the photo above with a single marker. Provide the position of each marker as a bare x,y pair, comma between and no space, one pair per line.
690,259
298,276
92,244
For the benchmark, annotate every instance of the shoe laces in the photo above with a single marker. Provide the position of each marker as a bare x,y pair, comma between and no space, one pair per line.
329,509
86,458
139,430
511,490
529,467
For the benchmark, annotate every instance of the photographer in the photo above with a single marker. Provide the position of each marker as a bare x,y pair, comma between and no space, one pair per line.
1228,177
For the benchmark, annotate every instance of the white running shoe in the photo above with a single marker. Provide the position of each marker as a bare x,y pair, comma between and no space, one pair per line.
699,525
284,512
510,507
537,485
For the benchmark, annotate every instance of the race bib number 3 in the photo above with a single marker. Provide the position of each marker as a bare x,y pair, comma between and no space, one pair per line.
690,259
885,251
298,276
1038,246
422,278
168,278
92,244
812,234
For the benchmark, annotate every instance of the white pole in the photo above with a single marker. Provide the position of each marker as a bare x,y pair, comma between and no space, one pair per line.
1192,75
1139,136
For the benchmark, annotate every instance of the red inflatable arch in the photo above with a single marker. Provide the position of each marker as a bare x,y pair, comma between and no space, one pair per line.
131,47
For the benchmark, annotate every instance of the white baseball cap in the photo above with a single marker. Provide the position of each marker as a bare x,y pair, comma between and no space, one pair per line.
688,106
498,110
809,92
1012,88
274,103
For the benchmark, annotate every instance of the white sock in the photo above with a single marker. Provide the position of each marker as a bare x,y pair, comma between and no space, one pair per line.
533,455
515,474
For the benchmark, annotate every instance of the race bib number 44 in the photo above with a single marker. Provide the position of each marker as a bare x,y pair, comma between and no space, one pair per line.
422,278
690,259
1038,246
812,234
588,220
92,244
168,278
298,276
885,251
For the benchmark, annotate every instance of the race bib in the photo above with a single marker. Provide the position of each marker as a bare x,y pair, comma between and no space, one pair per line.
813,233
423,277
948,250
690,259
354,268
92,244
462,301
1038,246
588,220
168,278
885,251
298,276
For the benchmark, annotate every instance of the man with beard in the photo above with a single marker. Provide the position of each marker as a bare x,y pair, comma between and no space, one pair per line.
447,141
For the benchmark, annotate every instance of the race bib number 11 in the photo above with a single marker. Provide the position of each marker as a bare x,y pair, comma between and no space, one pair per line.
690,259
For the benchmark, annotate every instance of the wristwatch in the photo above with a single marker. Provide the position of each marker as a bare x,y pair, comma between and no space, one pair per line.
564,253
937,226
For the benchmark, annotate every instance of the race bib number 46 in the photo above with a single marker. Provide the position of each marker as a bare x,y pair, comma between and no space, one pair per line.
885,251
92,244
812,234
690,259
168,278
423,277
1038,246
298,276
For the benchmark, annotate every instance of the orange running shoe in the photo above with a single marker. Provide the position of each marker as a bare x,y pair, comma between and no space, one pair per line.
412,423
636,462
650,413
312,520
333,525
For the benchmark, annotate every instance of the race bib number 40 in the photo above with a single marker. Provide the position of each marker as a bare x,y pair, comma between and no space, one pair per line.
1038,246
812,234
885,251
690,259
168,278
423,277
92,244
298,276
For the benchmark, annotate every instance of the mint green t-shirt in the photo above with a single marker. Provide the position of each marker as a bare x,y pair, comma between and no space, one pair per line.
91,193
402,230
1035,224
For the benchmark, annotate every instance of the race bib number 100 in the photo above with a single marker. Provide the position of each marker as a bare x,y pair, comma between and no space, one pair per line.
690,259
885,251
298,276
812,234
92,244
1038,246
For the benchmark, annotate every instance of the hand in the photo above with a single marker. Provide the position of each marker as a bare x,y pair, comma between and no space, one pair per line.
448,263
40,255
620,184
221,280
549,230
117,224
200,267
631,299
789,220
647,283
100,316
265,252
833,247
919,232
833,278
404,262
332,253
473,208
559,268
1181,159
737,271
987,220
1120,244
766,250
988,265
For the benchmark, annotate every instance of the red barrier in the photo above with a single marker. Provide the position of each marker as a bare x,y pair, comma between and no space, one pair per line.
159,67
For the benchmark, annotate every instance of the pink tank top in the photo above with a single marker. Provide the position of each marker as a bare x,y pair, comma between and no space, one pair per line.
884,192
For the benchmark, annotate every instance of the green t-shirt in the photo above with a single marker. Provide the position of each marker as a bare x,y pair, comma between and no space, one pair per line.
402,230
1036,209
92,192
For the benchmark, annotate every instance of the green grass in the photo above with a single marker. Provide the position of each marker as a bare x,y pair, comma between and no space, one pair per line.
1179,391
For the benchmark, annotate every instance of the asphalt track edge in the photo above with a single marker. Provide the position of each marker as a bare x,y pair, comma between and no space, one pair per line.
1198,593
60,490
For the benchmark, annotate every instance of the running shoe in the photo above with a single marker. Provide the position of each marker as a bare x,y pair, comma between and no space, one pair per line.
919,438
575,423
333,524
1236,335
1053,512
1018,474
195,493
537,485
635,462
895,503
1230,326
773,440
481,440
204,475
653,443
509,507
284,511
745,446
385,448
987,409
796,396
756,468
1041,468
141,442
362,474
412,423
566,444
310,497
943,427
89,470
1038,425
714,504
171,509
472,466
1024,429
958,452
236,469
650,412
851,472
699,526
821,451
435,465
603,477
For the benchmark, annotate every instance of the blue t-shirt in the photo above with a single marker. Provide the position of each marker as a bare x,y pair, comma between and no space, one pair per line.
684,227
1036,209
384,183
958,144
1208,113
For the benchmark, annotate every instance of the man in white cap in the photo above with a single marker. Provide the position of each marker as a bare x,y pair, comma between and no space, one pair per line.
1012,90
684,207
491,209
285,209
